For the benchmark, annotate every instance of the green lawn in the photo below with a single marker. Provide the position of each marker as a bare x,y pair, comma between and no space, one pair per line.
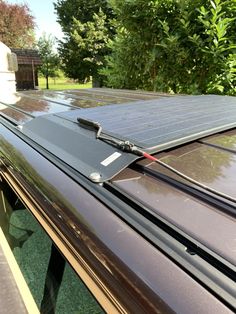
61,83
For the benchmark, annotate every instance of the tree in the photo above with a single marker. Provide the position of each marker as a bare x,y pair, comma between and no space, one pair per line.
16,25
87,26
50,59
180,46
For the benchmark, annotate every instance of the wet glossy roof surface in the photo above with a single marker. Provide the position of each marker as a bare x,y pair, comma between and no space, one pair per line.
24,106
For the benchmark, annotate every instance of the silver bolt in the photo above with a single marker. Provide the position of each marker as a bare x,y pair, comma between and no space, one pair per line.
95,176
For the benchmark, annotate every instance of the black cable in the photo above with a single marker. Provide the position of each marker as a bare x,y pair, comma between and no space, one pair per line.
201,185
131,148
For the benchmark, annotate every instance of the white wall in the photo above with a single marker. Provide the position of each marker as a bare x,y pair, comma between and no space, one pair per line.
7,76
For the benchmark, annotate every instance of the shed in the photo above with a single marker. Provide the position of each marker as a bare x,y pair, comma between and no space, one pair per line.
28,63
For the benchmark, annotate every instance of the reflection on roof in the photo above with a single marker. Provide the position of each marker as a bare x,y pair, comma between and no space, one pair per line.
37,103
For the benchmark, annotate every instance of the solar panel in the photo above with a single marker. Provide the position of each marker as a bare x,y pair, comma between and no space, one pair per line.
153,125
163,123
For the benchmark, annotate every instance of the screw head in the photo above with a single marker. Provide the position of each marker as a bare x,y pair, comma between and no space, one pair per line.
95,176
20,127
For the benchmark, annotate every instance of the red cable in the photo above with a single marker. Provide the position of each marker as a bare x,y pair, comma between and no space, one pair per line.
150,157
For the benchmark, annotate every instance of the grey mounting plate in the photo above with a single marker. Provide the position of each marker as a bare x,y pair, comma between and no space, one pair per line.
77,147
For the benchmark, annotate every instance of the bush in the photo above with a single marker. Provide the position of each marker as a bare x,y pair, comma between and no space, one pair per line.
180,46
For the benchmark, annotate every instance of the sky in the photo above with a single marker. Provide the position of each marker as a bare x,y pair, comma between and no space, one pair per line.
45,18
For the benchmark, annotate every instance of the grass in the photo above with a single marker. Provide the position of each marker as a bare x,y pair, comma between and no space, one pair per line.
62,83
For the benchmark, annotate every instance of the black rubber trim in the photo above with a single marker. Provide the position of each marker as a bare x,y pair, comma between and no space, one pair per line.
210,198
17,109
218,146
9,119
193,245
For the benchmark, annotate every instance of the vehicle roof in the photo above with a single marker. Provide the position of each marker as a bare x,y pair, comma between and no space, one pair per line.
198,226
